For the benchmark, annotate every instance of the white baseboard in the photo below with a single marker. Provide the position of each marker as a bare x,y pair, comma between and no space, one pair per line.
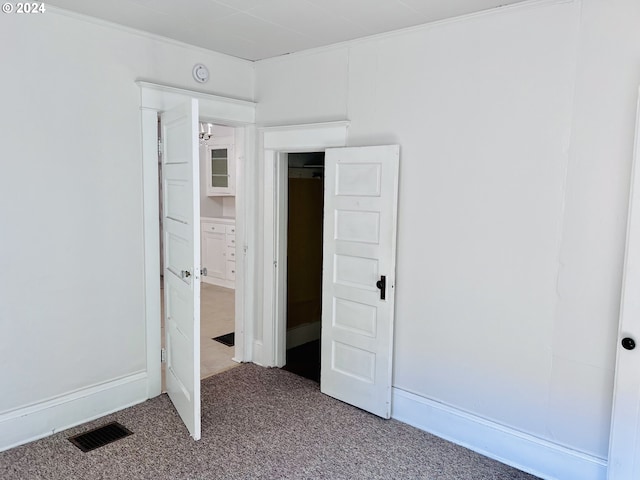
307,332
520,450
45,418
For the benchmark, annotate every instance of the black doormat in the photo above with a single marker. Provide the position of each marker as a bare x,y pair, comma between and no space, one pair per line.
228,339
99,437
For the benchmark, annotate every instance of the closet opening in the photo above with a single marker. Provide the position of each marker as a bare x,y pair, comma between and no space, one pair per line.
305,206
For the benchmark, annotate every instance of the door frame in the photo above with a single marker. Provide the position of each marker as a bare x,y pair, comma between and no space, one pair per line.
154,99
269,343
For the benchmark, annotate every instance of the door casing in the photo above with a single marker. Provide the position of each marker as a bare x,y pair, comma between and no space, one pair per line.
269,344
155,99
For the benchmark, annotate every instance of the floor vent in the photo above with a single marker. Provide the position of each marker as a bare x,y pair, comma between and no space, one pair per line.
99,437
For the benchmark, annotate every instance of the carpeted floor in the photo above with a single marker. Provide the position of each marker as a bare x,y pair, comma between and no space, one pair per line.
257,423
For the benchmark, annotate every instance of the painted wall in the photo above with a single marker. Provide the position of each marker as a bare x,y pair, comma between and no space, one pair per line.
516,134
71,241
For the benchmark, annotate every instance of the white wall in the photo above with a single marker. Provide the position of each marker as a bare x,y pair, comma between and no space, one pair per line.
71,242
516,133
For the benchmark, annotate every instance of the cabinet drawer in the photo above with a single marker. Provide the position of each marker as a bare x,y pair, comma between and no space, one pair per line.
214,227
231,240
231,270
231,253
231,229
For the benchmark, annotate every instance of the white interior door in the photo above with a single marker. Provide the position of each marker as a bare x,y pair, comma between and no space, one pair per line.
624,446
182,261
358,284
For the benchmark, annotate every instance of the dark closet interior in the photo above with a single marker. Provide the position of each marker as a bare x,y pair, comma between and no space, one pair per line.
304,263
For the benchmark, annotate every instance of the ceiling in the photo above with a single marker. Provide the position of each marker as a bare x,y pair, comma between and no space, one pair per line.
259,29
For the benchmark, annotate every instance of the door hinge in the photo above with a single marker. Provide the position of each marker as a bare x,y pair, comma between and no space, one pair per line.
163,355
160,147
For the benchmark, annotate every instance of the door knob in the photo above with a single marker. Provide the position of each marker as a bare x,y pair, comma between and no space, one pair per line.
185,273
628,343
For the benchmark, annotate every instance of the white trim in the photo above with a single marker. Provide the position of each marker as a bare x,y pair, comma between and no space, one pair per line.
213,108
270,265
141,33
245,248
47,417
257,352
316,137
151,234
305,333
155,98
526,452
305,137
282,217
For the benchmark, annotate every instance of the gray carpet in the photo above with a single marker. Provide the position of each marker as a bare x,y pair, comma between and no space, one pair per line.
257,423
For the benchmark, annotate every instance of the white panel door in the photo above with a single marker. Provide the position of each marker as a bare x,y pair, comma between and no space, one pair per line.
358,284
624,446
181,237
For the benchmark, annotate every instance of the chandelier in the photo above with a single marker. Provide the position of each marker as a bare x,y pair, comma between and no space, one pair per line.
206,132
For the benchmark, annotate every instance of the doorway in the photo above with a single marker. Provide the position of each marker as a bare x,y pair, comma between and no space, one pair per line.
220,147
305,207
217,244
181,110
358,267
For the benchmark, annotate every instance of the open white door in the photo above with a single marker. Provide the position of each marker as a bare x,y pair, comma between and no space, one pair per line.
358,284
181,200
624,445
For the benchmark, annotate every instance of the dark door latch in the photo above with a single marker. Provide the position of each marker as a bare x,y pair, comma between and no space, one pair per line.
382,285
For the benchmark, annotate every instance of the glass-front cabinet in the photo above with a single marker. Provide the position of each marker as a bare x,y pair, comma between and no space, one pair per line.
220,170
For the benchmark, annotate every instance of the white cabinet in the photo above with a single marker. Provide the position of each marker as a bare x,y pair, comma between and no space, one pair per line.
219,251
221,167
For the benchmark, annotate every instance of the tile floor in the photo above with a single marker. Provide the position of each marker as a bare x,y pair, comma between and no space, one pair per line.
217,317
